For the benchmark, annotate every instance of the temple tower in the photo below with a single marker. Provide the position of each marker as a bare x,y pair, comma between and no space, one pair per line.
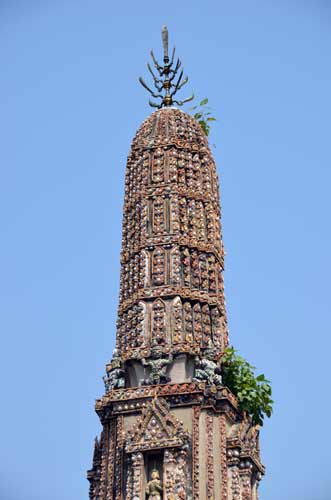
171,430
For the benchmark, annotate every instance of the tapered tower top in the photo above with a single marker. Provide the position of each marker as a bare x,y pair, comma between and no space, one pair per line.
170,77
171,296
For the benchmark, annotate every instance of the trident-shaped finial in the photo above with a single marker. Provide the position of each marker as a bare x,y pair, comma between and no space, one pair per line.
167,74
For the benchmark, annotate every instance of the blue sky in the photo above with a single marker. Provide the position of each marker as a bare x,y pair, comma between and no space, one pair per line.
70,105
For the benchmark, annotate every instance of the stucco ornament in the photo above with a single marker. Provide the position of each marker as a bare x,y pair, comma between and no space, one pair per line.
157,365
207,370
114,378
157,428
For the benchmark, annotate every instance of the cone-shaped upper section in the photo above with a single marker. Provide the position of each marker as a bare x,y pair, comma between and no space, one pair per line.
171,296
170,125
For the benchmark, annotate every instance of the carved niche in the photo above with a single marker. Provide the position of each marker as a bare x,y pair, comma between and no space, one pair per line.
158,430
143,269
158,322
158,166
197,321
203,272
172,162
177,317
186,266
200,221
188,323
159,222
192,228
216,327
206,327
195,269
158,266
189,172
174,215
175,266
140,332
183,219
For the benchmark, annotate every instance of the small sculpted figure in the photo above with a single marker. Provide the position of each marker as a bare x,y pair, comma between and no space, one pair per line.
157,366
114,378
154,486
207,370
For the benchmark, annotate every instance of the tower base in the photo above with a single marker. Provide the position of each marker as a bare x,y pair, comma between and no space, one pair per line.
193,436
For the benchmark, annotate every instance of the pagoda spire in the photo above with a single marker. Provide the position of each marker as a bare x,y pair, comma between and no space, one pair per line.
171,429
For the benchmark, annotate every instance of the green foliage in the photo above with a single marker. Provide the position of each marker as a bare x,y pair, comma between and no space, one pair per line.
203,115
253,393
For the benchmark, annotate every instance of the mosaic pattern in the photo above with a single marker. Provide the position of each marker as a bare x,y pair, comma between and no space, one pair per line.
195,446
223,459
157,428
210,456
171,332
171,291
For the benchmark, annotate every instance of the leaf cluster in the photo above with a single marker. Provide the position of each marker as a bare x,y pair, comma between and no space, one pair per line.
253,393
203,115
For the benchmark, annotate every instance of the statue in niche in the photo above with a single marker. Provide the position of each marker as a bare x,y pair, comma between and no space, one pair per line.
154,486
207,370
157,366
114,378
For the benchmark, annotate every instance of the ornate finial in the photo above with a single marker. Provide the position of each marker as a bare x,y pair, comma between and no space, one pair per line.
167,74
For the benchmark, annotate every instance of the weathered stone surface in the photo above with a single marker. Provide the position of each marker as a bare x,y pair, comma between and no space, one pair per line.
172,293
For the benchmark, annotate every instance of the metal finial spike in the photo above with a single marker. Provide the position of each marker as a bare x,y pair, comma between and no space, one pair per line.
154,104
179,84
188,99
179,80
165,44
175,71
168,79
157,81
172,56
178,65
156,64
148,89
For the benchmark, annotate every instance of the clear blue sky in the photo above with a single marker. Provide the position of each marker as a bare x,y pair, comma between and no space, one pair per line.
70,105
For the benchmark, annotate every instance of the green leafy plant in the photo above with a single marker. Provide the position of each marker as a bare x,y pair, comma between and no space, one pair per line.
203,115
253,393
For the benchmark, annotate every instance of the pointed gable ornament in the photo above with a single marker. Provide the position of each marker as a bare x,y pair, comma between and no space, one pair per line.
157,428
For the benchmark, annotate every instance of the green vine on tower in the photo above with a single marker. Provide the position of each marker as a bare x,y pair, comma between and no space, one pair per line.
203,115
253,393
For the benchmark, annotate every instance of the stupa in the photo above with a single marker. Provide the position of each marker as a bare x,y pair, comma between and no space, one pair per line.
171,429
